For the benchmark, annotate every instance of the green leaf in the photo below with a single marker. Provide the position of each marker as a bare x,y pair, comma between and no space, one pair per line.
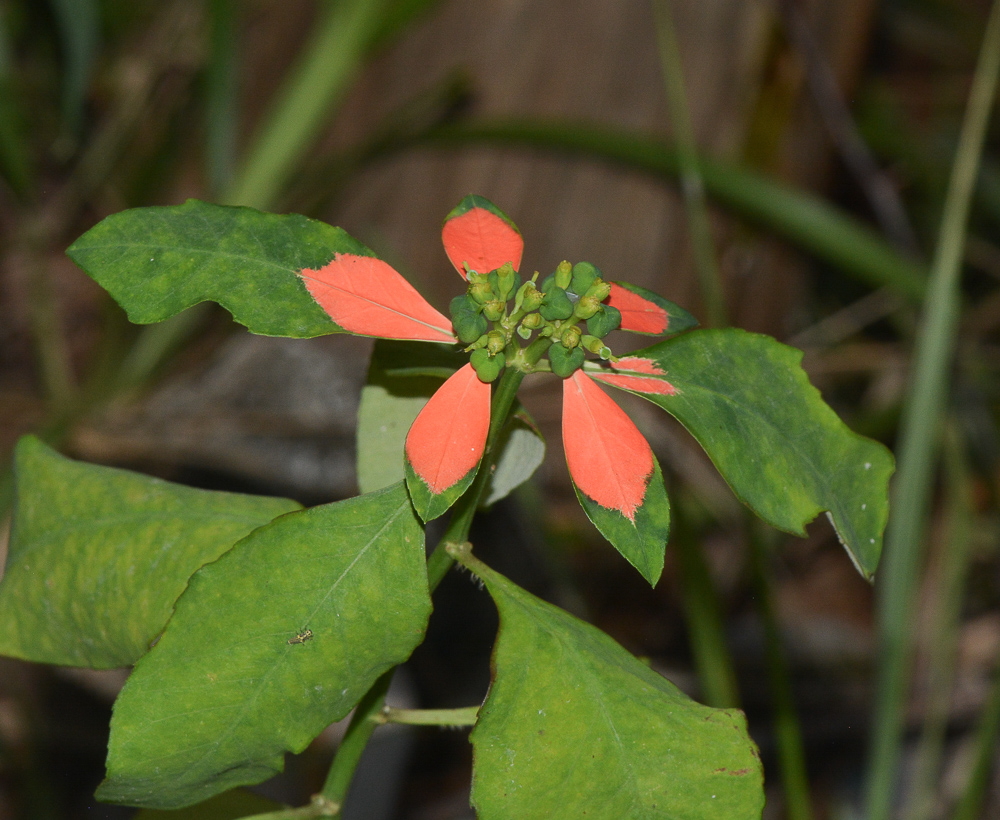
784,452
268,645
574,726
642,541
98,556
156,262
231,805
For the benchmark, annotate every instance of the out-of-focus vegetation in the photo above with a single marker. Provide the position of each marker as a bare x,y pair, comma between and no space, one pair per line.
837,184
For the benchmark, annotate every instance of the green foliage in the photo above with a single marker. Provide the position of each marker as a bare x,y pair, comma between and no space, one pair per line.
780,447
575,726
642,541
98,556
268,646
156,262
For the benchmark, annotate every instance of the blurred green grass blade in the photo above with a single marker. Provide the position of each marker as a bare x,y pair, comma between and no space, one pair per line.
15,160
396,16
79,34
221,96
971,803
812,224
692,184
919,437
313,89
952,570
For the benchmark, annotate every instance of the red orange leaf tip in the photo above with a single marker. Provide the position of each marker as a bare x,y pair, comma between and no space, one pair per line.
366,296
609,459
447,439
479,235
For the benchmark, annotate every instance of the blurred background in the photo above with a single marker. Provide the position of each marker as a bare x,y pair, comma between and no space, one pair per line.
821,134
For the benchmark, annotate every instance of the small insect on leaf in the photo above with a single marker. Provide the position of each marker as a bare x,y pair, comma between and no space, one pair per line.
302,637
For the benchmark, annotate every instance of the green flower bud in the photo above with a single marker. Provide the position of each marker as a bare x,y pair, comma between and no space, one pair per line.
528,298
599,289
564,274
591,343
477,278
508,281
571,337
495,342
487,367
556,305
604,321
481,293
494,310
565,362
587,307
468,322
533,321
584,275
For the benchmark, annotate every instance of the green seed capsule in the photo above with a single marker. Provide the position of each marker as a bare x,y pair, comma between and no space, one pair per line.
565,362
468,322
584,275
604,321
533,321
556,305
528,298
487,367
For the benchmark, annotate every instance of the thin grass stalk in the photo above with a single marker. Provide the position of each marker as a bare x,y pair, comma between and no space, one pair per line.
692,184
221,96
702,607
987,733
920,437
787,727
703,616
952,572
314,89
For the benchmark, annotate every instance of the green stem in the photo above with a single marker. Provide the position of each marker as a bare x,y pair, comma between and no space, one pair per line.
366,717
703,613
919,436
429,717
359,732
314,88
692,184
787,729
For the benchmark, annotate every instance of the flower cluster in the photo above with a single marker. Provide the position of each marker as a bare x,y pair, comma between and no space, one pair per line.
560,319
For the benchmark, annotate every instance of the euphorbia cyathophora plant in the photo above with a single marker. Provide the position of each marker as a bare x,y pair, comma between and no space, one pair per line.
253,623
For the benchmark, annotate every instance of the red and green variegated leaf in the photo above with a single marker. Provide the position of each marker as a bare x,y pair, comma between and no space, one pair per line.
478,234
364,295
646,312
446,442
615,475
784,452
633,373
155,262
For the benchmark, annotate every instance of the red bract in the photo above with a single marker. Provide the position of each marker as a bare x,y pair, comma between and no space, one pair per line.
609,460
479,235
447,440
366,296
